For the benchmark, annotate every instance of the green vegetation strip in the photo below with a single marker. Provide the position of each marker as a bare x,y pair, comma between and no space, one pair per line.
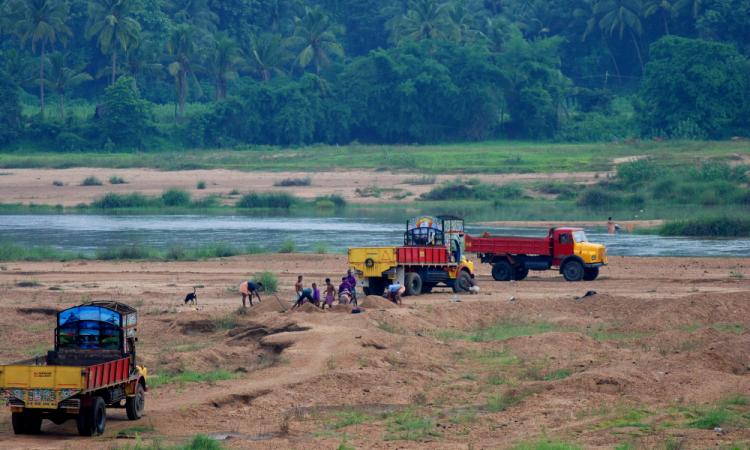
199,442
154,381
498,332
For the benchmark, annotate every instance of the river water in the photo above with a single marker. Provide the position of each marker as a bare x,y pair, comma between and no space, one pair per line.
91,232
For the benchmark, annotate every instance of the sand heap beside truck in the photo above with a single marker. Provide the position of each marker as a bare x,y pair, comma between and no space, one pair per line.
92,366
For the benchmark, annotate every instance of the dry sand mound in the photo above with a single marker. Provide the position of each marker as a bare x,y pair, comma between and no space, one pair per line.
309,308
373,301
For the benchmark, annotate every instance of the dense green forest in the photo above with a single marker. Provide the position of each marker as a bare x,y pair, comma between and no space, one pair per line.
149,74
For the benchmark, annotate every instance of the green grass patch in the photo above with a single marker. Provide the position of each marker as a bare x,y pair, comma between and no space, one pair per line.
407,425
626,417
558,374
267,200
498,332
157,380
611,334
14,252
501,402
349,418
199,442
28,283
114,179
547,445
735,328
134,431
288,246
710,226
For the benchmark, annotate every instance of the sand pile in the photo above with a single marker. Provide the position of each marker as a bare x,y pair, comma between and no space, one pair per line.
376,302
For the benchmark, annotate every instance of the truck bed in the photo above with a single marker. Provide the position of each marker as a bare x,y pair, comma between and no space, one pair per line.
514,245
44,386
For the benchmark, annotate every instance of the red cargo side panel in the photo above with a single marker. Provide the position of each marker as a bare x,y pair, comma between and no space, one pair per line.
422,255
107,374
515,245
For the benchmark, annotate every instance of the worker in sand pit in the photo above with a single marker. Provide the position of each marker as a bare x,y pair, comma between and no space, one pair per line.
395,291
352,281
310,294
248,289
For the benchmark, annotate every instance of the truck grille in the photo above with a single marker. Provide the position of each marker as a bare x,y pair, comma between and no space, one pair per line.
71,403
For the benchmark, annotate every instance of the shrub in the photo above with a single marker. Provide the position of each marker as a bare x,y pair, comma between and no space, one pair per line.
126,252
287,182
716,226
10,110
324,204
114,179
91,181
210,201
269,280
200,184
636,172
423,180
337,200
175,197
58,183
596,197
287,246
270,200
114,201
124,119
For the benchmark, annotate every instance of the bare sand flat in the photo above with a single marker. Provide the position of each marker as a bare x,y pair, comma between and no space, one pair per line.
661,336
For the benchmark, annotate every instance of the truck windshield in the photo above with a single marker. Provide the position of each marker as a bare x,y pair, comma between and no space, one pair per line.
579,236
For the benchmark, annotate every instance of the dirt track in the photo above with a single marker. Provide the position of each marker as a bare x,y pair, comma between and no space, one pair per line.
664,339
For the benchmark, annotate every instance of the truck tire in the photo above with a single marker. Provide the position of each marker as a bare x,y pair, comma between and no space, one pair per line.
26,423
590,273
462,283
413,283
573,270
92,420
521,273
377,286
135,405
502,271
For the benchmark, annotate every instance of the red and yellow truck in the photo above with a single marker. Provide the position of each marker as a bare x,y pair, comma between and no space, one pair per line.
564,248
432,255
92,367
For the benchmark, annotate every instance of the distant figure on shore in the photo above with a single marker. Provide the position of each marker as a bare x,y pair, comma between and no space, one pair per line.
612,227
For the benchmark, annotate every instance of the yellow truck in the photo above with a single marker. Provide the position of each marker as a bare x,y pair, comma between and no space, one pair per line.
432,255
92,367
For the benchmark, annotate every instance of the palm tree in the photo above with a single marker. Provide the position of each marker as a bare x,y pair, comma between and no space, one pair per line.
42,21
316,36
612,16
112,22
63,77
666,8
222,62
182,51
194,12
425,19
267,56
463,22
140,61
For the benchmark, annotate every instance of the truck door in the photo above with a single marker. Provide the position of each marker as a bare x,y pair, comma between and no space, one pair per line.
563,245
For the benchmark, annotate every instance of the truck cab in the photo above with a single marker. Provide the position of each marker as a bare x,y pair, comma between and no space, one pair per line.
570,241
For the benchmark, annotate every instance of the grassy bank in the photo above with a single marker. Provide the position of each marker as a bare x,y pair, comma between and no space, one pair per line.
14,252
708,227
479,157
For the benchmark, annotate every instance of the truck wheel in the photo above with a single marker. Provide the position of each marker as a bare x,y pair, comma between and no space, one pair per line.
26,423
135,405
462,283
413,283
502,271
521,273
92,420
573,270
98,416
590,273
